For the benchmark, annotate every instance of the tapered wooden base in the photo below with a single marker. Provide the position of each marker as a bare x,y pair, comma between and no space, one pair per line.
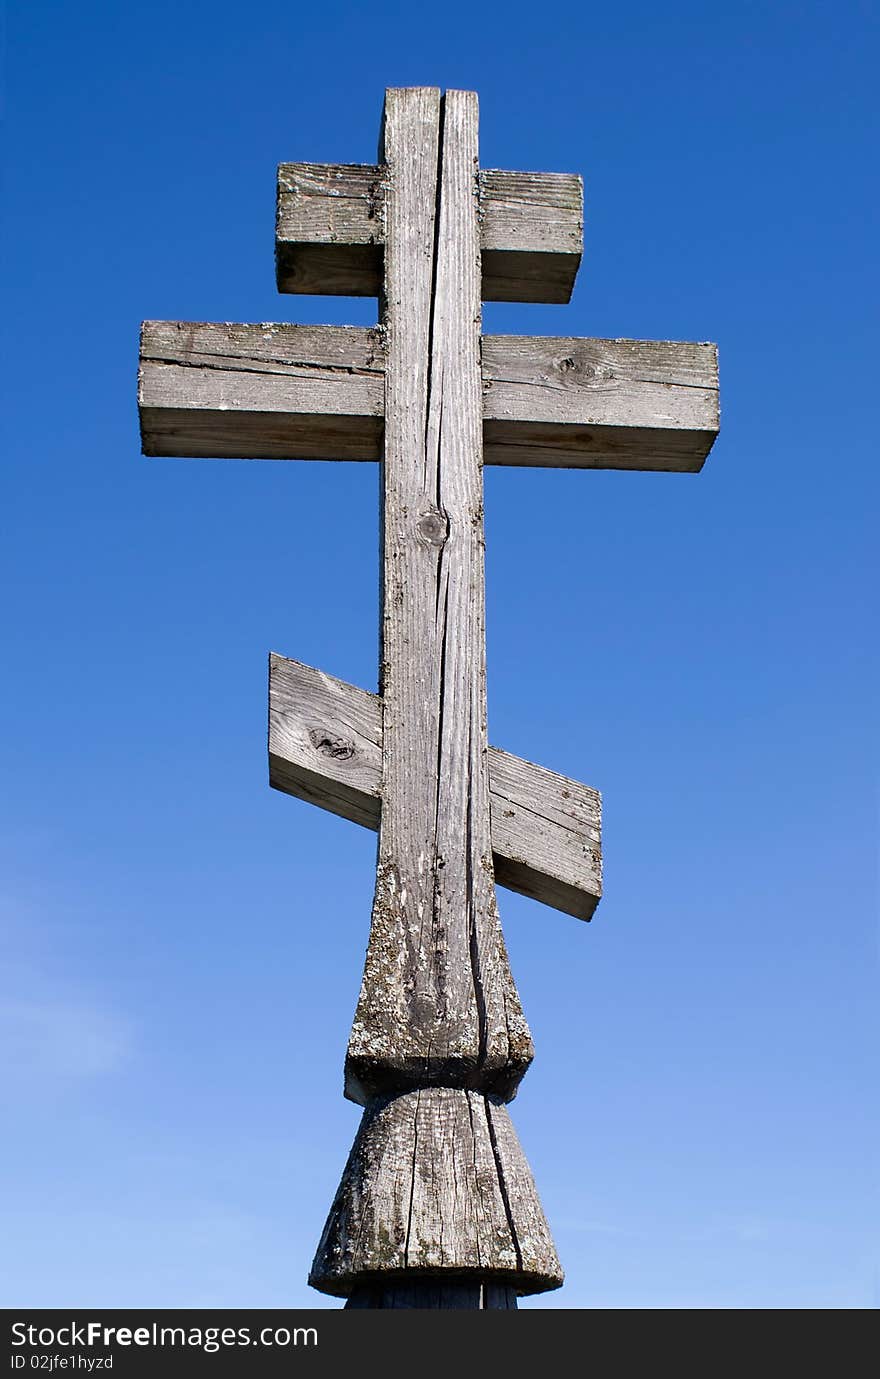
436,1197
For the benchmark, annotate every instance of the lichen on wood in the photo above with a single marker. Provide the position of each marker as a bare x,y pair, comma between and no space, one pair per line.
436,1185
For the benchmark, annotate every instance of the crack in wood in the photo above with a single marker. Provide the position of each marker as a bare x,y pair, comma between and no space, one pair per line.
436,1188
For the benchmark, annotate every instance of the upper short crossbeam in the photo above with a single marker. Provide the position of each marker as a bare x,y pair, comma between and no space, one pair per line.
330,231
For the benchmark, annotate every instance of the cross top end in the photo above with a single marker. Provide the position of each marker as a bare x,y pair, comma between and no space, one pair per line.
330,227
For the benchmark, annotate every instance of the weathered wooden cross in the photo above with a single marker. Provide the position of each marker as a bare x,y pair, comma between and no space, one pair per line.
437,1206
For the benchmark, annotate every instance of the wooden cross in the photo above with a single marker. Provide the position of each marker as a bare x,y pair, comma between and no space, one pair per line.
437,1206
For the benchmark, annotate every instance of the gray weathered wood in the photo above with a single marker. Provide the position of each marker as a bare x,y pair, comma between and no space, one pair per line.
599,404
260,391
438,1004
317,392
532,235
436,1184
330,231
325,746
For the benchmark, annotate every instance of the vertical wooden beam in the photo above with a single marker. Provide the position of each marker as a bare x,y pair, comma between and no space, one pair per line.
436,1186
438,1004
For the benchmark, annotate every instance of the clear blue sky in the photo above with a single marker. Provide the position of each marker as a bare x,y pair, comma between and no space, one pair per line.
181,946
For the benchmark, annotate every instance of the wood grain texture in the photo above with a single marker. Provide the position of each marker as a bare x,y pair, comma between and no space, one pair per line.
325,741
317,392
438,1004
260,391
548,831
532,235
325,747
599,404
415,1156
330,231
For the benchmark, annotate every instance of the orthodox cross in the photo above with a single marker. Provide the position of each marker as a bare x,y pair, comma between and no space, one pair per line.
437,1206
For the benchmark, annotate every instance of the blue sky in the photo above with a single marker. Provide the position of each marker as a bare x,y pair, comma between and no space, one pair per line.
181,946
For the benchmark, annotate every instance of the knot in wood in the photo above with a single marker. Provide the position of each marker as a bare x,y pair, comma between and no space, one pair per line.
433,526
583,368
329,746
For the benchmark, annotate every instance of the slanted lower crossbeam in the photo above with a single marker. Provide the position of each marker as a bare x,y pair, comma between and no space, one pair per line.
325,746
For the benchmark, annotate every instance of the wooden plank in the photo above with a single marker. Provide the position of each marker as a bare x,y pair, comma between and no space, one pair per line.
325,741
262,391
546,835
329,232
328,229
532,235
438,1004
325,746
599,404
317,392
436,1186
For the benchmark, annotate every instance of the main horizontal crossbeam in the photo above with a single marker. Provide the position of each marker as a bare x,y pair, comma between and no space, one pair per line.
317,392
330,231
325,746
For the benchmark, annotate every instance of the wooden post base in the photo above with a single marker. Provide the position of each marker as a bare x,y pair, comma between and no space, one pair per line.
436,1202
434,1293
